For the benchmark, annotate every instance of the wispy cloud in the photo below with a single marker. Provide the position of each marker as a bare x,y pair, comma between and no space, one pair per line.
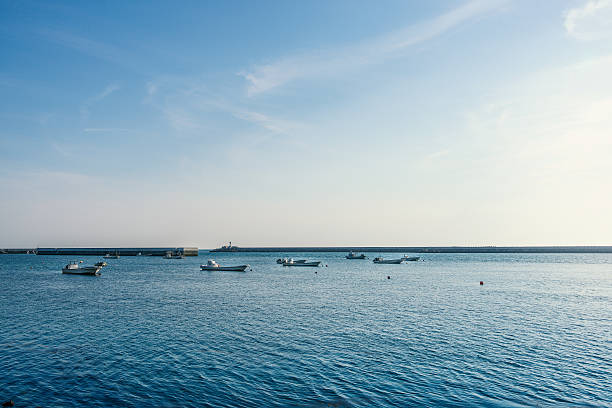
561,126
438,154
189,105
265,121
180,119
60,149
265,77
592,21
108,90
86,46
151,88
272,124
105,92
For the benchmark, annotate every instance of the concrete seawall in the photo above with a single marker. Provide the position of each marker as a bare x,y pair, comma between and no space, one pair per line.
17,251
423,249
187,251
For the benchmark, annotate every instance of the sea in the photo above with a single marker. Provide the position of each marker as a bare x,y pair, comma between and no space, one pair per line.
160,332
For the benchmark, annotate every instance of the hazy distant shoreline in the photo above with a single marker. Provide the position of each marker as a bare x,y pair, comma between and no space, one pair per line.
376,249
431,249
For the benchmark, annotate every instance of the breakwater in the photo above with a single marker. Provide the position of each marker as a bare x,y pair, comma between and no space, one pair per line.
187,251
17,251
424,249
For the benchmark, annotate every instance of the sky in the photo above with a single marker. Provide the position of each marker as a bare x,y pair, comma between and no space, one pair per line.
282,123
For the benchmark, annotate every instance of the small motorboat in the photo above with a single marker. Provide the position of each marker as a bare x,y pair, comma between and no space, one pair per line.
73,268
352,255
381,260
283,260
301,262
411,258
109,256
175,255
100,264
211,265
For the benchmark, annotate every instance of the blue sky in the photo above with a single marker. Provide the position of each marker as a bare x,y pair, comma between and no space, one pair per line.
305,123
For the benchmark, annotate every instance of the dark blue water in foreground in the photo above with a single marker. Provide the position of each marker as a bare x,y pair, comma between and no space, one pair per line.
156,332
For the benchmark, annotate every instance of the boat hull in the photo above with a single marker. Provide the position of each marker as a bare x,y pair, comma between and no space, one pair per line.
412,259
356,257
82,271
390,261
302,264
240,268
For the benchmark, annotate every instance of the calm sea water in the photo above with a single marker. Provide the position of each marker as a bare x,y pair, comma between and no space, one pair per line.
156,332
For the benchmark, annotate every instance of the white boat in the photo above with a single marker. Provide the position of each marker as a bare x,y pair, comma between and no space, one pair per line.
411,258
283,260
380,260
177,255
73,268
301,262
352,255
211,265
109,256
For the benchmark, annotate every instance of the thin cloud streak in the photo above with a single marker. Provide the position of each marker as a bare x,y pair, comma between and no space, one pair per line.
264,78
108,90
84,45
273,125
438,154
183,103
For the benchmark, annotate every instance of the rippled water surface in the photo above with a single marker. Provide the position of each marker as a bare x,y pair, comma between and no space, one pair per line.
157,332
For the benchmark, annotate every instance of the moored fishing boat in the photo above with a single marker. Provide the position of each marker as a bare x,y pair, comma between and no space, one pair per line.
353,255
211,265
301,262
109,256
283,260
381,260
73,268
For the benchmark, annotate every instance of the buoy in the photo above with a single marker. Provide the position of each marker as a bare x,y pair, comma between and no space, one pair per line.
326,265
481,282
316,272
388,277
